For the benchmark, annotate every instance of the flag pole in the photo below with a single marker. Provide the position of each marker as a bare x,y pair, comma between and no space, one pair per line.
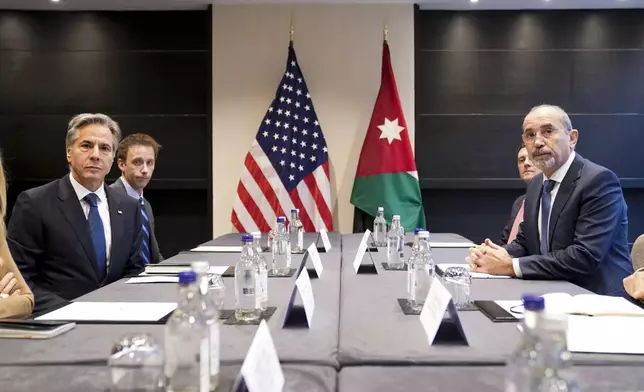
385,32
292,28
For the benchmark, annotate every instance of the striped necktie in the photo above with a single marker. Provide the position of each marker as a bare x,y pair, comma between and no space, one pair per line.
145,248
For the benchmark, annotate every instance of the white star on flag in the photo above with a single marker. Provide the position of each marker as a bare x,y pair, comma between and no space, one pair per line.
390,130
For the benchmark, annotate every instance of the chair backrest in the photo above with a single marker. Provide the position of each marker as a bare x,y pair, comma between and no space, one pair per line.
637,253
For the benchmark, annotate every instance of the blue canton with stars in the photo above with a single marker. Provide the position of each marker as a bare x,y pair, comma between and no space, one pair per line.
290,134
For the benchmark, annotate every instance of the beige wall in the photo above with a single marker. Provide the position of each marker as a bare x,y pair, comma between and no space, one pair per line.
339,48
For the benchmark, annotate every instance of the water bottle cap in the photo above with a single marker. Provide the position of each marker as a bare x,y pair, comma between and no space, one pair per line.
423,234
533,302
247,238
257,234
295,210
187,277
381,209
281,219
417,230
200,267
396,217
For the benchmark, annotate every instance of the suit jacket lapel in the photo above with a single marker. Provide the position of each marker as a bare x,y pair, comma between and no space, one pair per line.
563,194
116,223
73,212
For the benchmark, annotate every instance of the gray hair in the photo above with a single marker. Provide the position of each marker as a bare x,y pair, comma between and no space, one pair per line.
563,116
81,120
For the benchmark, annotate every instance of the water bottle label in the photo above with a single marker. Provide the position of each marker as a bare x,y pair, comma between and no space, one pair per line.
204,368
248,291
300,239
214,349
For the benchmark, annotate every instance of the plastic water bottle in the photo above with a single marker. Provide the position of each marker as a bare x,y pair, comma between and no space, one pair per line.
541,362
211,314
262,272
380,228
281,249
395,244
187,341
247,302
420,272
296,231
414,243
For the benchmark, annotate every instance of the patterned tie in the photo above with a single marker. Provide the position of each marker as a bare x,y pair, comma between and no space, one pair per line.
97,231
145,249
517,221
545,214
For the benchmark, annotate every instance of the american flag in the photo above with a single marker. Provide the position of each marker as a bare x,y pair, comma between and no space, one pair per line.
288,164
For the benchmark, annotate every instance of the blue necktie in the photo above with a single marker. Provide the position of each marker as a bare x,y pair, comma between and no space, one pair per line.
145,248
545,214
97,231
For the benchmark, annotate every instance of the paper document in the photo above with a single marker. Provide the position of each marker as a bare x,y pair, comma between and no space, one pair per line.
456,244
610,334
111,311
217,249
473,275
174,269
153,279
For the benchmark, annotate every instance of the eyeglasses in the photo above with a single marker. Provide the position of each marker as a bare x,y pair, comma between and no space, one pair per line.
546,133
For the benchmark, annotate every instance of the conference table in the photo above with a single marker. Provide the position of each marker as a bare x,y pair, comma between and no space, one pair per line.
359,339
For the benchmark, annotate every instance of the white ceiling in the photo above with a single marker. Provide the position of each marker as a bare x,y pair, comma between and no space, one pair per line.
424,4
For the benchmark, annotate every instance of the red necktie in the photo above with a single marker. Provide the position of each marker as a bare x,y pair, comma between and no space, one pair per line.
517,222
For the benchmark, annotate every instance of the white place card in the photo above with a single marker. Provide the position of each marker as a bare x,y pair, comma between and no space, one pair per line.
325,240
111,311
434,309
261,370
303,284
362,248
315,259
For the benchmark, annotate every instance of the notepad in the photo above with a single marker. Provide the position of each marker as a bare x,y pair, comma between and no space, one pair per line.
609,335
32,329
217,249
153,279
111,311
474,275
174,269
448,244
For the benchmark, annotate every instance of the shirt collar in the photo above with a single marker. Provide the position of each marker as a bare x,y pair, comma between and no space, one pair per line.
81,191
560,173
130,191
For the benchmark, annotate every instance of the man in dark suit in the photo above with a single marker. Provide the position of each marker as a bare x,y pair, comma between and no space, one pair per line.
575,225
74,235
526,172
136,157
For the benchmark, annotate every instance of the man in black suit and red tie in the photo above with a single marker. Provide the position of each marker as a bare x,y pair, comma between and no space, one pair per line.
74,235
575,223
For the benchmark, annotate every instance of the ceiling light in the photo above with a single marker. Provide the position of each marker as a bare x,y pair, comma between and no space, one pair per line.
474,1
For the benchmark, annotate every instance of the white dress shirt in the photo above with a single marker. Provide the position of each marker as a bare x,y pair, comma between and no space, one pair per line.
130,191
558,176
103,209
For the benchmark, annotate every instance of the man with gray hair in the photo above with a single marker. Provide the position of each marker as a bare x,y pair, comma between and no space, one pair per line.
575,222
74,235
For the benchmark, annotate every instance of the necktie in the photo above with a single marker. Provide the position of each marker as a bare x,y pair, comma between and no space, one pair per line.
145,248
97,231
517,221
545,214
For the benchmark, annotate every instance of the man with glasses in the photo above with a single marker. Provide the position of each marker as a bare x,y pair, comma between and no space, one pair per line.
575,223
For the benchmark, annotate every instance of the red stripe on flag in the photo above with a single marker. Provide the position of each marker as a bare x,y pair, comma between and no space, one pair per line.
252,208
235,220
264,185
325,166
322,208
304,217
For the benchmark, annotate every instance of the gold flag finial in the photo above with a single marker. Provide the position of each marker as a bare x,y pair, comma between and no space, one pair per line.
385,32
292,29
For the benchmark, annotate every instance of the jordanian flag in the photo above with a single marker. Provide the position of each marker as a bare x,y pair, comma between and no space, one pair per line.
386,174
